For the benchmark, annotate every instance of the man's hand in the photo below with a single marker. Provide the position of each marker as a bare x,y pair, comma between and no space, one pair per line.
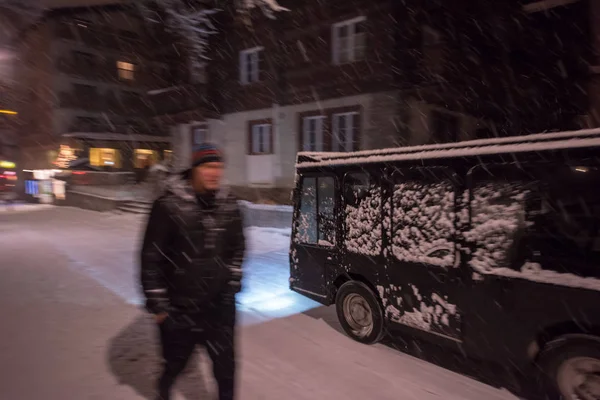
160,318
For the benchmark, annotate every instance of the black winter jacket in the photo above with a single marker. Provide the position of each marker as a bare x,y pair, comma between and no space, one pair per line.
193,251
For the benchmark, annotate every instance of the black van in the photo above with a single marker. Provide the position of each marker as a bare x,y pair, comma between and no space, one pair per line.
490,247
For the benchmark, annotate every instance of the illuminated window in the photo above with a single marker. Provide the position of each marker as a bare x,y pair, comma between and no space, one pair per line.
105,158
126,70
145,157
168,155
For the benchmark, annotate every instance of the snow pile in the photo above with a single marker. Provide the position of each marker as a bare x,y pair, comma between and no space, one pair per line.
266,207
266,240
363,225
21,208
423,223
498,214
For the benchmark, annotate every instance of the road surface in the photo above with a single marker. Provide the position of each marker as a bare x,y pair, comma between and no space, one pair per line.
72,327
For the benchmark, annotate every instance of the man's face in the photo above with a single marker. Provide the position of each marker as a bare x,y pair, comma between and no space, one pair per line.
207,176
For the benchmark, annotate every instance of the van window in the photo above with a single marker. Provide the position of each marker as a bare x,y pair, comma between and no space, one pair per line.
363,216
499,194
316,222
326,211
565,233
545,217
423,229
307,223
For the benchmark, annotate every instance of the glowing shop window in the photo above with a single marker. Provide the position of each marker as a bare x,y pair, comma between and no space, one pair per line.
145,157
105,158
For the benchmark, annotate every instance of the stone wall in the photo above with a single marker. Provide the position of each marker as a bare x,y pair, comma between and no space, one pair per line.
100,178
89,202
272,196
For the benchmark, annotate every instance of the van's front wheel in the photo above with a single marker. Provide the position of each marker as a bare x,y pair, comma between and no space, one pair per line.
359,312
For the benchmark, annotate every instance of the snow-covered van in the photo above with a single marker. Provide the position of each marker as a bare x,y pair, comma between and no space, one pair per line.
491,247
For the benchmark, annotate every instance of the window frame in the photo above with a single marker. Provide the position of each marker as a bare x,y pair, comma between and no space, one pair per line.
379,181
319,135
336,214
253,76
349,144
201,127
336,49
270,139
449,176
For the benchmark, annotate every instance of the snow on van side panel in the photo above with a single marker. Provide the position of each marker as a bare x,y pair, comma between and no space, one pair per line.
423,223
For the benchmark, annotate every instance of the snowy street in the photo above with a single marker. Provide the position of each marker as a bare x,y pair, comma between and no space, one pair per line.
72,327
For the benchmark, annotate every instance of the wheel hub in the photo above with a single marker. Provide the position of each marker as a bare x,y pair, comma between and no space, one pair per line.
579,378
358,314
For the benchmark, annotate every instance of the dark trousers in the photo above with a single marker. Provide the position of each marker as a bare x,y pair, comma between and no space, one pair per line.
179,335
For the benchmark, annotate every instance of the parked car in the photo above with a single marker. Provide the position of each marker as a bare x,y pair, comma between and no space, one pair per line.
488,247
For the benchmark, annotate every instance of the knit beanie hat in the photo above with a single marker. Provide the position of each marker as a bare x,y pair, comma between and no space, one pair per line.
205,153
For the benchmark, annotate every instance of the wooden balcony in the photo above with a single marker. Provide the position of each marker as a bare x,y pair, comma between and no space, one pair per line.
179,99
102,103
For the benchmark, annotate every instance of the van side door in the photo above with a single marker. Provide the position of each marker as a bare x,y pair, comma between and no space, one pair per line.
423,260
314,248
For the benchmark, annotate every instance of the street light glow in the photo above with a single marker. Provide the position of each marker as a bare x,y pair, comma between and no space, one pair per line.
10,112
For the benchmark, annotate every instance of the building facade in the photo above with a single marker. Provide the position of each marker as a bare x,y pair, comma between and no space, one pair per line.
357,75
83,75
8,125
326,76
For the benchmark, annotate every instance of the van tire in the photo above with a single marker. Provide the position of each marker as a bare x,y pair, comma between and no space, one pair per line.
359,312
558,358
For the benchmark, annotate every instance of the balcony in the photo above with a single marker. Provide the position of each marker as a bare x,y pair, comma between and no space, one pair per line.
100,103
100,39
80,102
179,99
133,127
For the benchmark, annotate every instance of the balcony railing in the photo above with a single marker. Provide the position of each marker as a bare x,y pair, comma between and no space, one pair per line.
143,128
180,99
103,104
106,71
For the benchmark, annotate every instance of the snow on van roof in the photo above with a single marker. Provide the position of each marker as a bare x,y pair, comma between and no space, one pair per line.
516,144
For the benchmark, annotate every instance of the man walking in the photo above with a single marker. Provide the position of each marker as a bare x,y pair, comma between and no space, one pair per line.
191,270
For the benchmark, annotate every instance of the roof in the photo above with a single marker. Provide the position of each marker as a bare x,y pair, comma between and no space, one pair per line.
117,137
516,144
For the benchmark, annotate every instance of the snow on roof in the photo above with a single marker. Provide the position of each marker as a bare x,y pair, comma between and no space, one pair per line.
117,136
517,144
